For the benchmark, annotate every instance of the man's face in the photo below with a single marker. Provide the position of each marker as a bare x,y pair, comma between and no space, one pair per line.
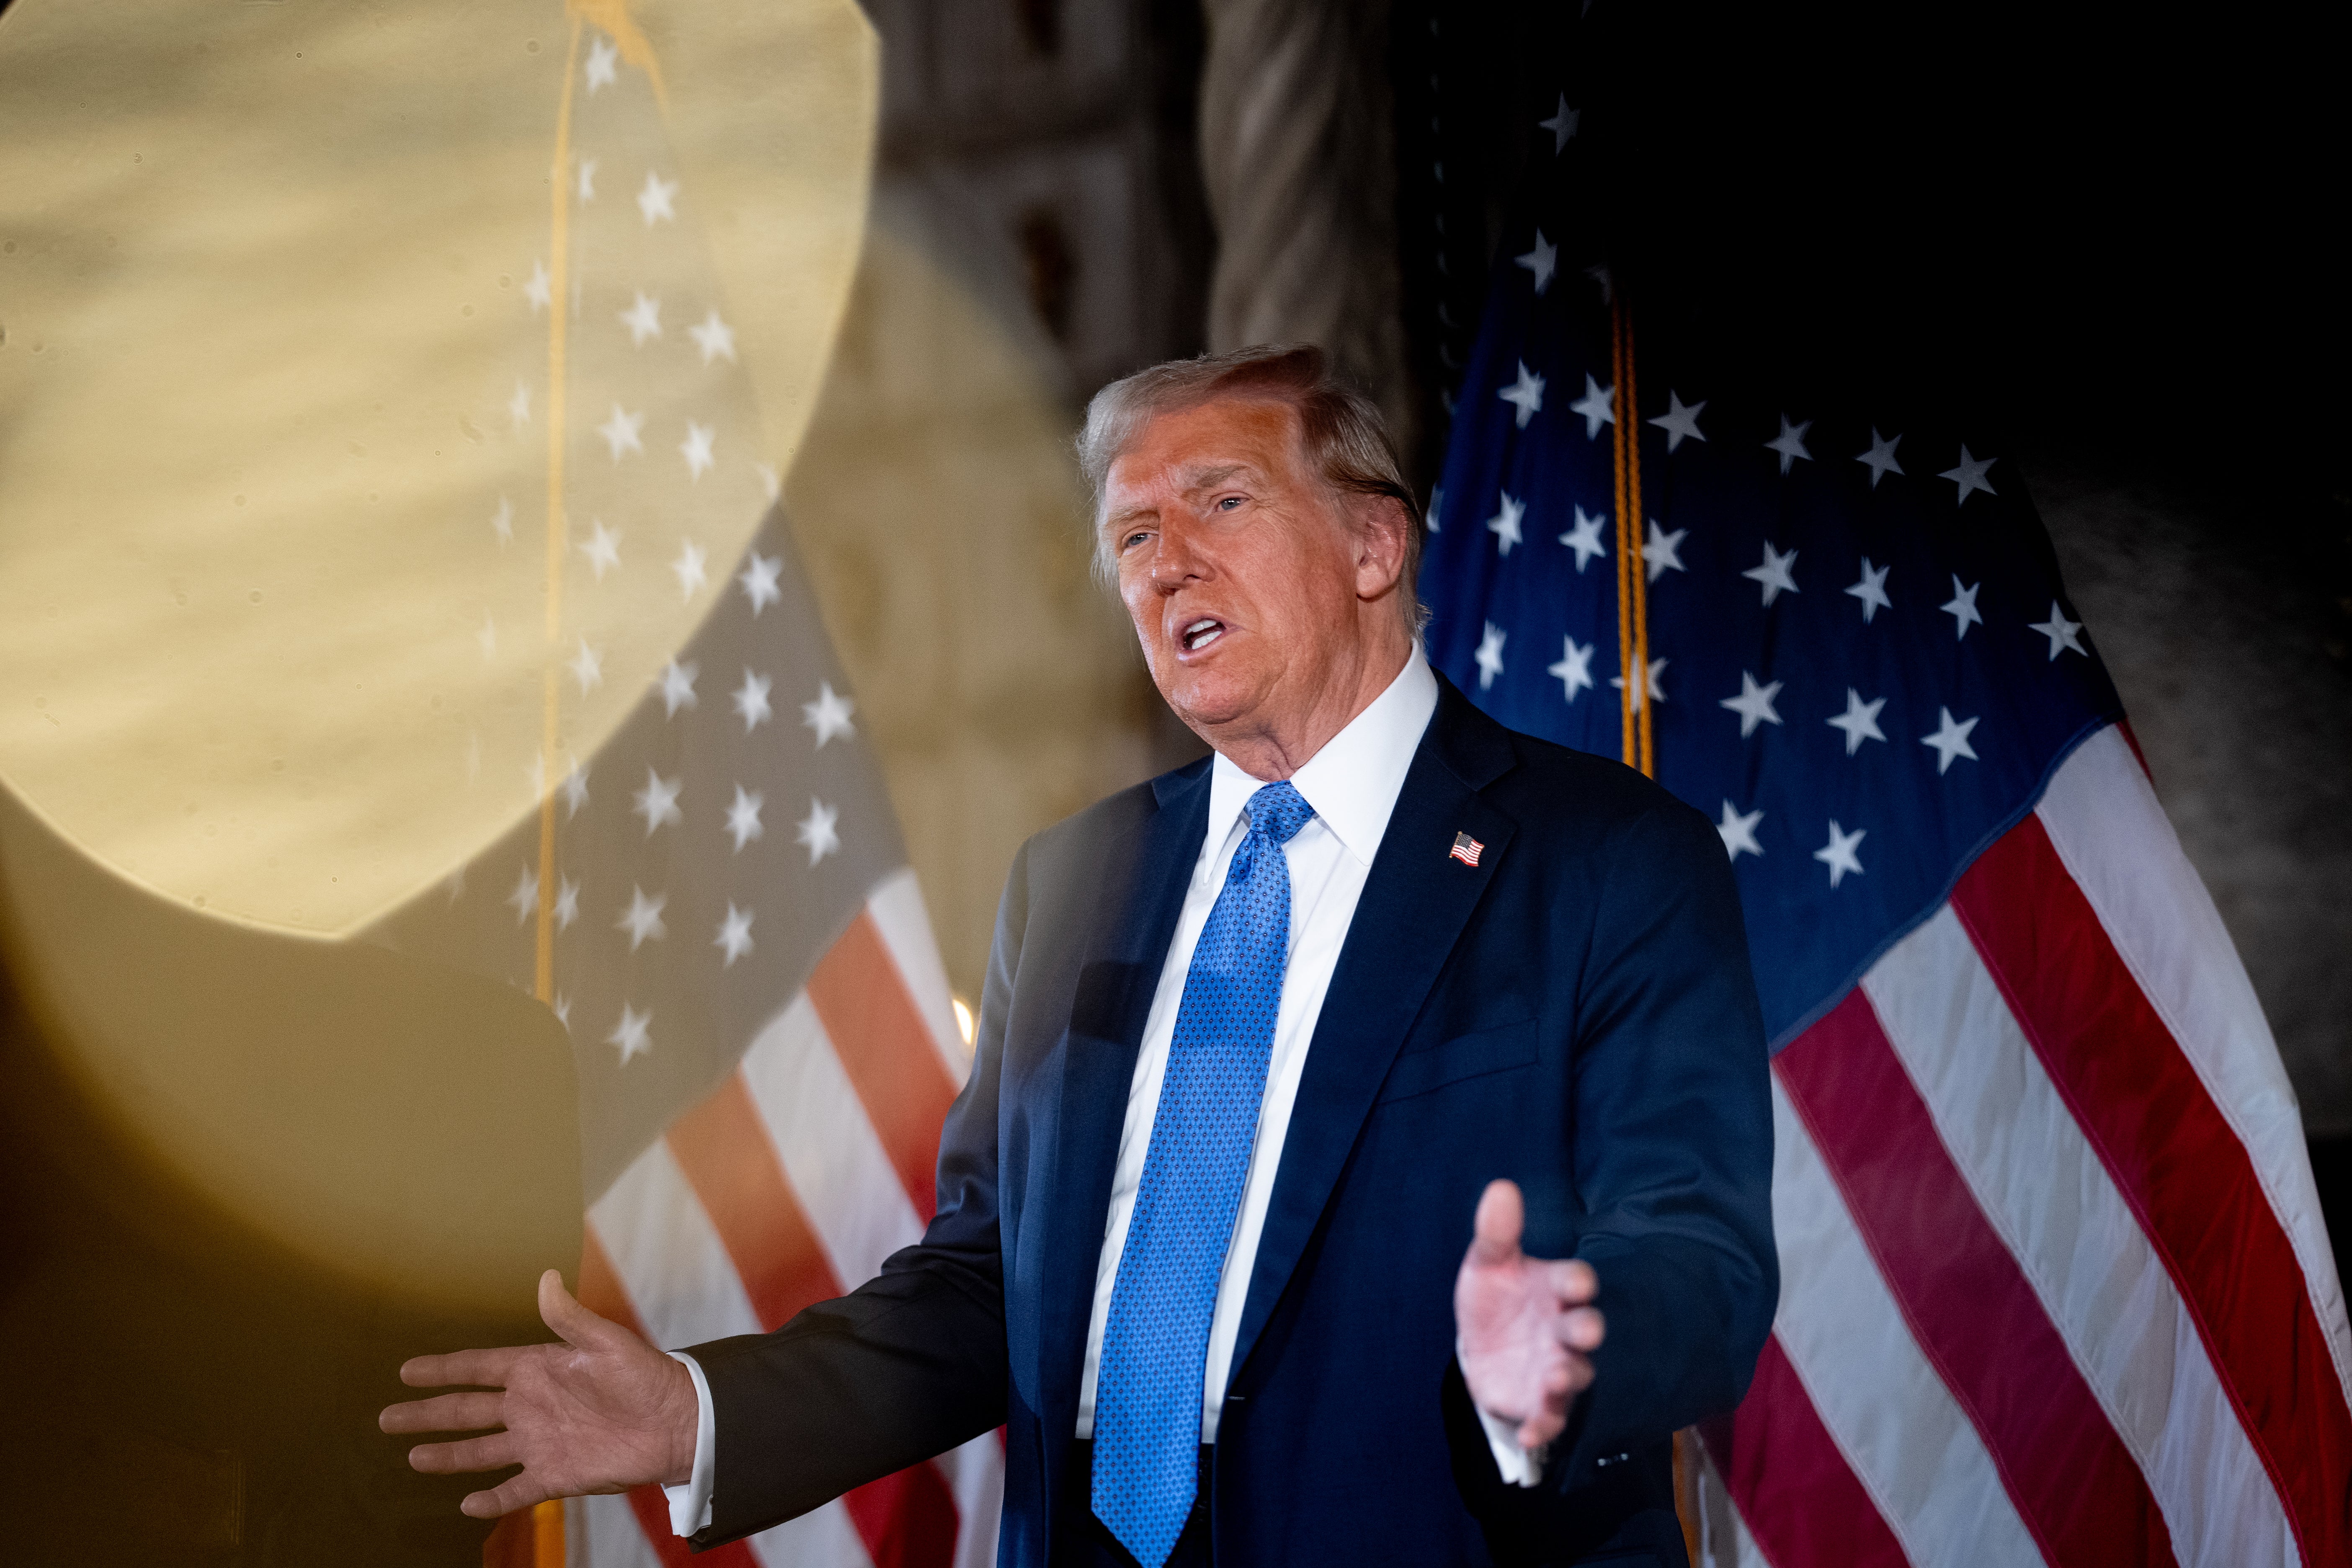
1246,578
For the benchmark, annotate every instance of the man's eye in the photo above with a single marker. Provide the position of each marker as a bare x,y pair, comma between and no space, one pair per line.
1227,503
1131,538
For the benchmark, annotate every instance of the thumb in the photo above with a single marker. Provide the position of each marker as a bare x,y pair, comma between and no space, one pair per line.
574,1325
1501,1213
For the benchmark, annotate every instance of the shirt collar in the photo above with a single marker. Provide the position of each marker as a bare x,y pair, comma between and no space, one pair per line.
1353,782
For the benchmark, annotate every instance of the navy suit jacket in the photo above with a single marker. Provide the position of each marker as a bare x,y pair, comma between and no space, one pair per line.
1575,1013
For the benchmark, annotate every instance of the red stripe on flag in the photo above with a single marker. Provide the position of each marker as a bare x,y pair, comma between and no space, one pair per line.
601,1292
907,1519
2178,1166
887,1050
724,1149
1797,1494
1971,1308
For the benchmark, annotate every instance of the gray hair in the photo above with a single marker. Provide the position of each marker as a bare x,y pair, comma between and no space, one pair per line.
1339,428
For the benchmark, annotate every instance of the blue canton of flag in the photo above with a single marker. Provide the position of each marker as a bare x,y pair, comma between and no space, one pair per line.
1861,659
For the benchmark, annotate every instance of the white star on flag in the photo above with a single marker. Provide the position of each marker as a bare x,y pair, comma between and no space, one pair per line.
1663,552
752,702
575,791
1962,607
1790,443
828,715
658,802
518,406
489,637
1950,740
696,447
677,686
631,1034
1860,720
2061,633
759,579
602,59
1436,508
1504,524
537,773
689,568
1657,682
643,319
1774,573
1680,421
1970,475
602,548
1838,853
1574,669
714,337
567,902
1585,538
1526,393
539,287
502,521
770,481
1754,704
587,667
1562,125
1880,458
1543,260
734,934
643,918
1599,406
654,201
563,1009
1490,655
525,897
743,817
587,186
815,830
1738,831
620,432
1872,590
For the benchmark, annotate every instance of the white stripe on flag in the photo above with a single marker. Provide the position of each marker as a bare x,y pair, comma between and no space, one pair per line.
831,1154
824,1538
2045,1192
897,906
2112,836
1885,1405
975,1474
1724,1541
614,1539
671,1264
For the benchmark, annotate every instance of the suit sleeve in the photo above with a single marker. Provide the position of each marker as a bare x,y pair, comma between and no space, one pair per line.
908,1365
1674,1147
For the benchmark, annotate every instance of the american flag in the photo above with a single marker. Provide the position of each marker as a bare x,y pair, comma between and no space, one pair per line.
715,900
2055,1282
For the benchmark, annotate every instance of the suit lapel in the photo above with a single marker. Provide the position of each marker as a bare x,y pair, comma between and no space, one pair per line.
1414,904
1144,894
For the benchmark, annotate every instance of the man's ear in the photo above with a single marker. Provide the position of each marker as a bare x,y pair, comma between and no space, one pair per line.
1381,528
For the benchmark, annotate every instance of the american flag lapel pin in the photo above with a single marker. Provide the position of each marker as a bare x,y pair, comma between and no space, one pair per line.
1466,849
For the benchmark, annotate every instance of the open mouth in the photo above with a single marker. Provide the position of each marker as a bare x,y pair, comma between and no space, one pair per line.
1202,633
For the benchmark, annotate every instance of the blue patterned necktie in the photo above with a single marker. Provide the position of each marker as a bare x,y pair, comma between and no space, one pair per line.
1156,1340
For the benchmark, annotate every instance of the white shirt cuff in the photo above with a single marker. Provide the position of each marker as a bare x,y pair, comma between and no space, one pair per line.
689,1505
1518,1467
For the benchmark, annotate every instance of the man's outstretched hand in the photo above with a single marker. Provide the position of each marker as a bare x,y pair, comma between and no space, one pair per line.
602,1412
1527,1325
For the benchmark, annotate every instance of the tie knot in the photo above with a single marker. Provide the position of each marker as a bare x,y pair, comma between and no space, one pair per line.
1276,812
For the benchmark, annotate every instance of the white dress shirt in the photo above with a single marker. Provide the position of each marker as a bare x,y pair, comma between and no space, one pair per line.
1352,784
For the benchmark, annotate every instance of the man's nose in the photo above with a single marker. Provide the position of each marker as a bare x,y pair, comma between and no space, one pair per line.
1176,560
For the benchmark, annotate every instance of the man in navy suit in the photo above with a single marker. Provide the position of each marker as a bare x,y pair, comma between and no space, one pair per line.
1295,1066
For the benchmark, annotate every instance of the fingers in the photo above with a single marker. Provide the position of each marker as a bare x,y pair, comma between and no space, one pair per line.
494,1452
1495,1232
484,1369
515,1492
448,1413
1574,1281
1581,1329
